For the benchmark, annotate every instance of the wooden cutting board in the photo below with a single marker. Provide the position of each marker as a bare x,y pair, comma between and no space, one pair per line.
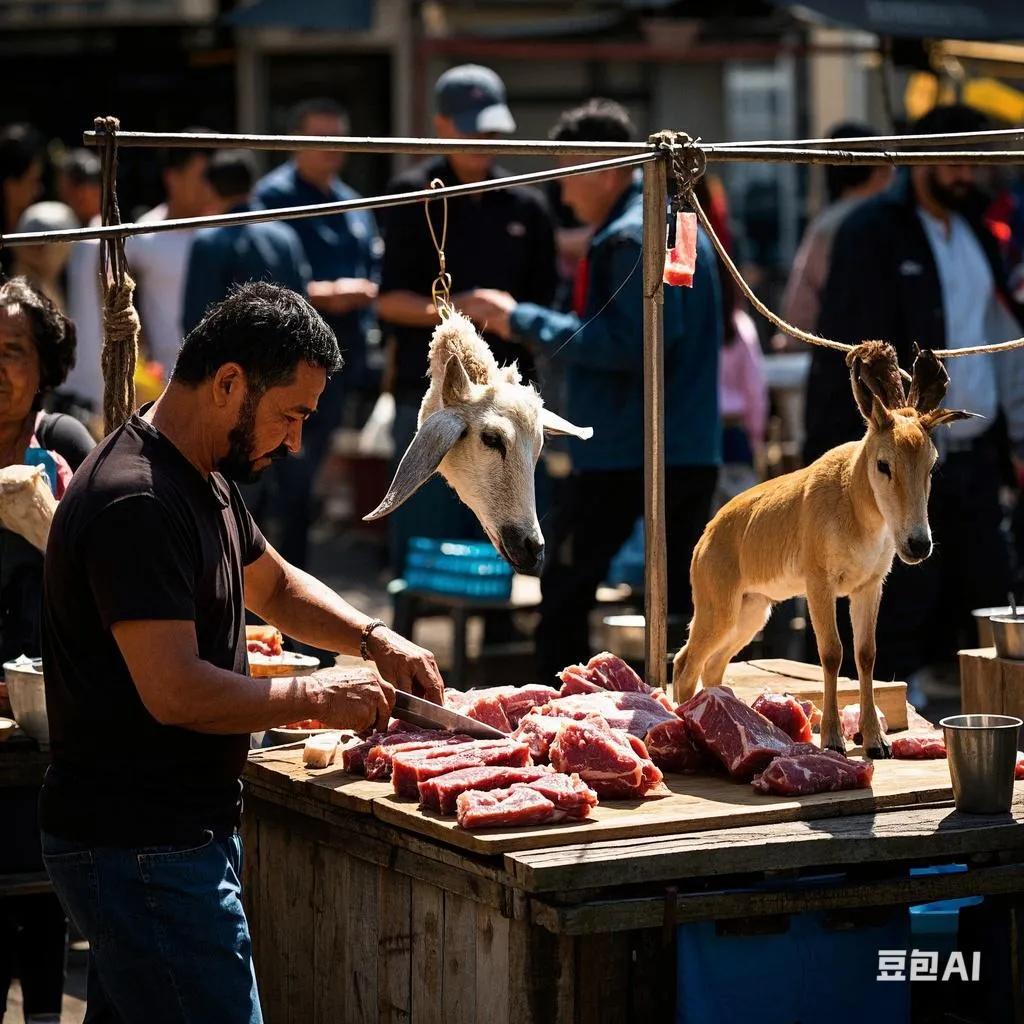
806,682
695,803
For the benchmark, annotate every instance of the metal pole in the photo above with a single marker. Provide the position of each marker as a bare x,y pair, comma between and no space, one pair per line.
655,552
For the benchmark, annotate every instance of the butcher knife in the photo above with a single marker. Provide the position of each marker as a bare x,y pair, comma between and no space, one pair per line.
432,716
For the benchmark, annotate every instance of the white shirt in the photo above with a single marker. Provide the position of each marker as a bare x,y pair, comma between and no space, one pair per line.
159,265
968,291
85,307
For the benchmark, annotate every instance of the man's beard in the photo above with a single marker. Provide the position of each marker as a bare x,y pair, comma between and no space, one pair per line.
238,464
957,198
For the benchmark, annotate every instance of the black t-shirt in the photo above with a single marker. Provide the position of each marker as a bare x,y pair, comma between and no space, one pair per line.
140,534
502,239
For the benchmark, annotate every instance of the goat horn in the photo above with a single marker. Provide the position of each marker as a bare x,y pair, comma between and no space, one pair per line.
555,426
431,444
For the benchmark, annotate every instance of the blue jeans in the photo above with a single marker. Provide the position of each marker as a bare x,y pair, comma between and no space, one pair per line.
168,939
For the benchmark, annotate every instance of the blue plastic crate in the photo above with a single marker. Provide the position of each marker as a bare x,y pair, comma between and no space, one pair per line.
936,925
788,977
460,567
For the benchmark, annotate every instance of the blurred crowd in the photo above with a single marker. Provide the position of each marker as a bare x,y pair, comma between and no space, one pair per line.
929,255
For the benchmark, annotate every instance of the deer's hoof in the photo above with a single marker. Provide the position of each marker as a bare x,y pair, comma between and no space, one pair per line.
836,743
880,752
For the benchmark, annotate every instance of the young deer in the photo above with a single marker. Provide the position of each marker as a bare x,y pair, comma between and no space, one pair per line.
829,530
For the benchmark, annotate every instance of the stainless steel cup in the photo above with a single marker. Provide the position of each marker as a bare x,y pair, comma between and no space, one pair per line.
982,752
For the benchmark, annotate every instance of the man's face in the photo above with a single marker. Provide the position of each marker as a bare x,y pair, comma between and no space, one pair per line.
468,166
952,186
587,195
187,188
321,164
269,427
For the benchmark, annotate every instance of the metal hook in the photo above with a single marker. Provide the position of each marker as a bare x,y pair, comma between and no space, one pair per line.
441,289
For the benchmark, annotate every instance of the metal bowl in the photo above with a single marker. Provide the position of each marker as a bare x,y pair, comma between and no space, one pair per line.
24,678
1008,636
624,636
984,626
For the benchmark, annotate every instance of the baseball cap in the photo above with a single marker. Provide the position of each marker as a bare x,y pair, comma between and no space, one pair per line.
474,98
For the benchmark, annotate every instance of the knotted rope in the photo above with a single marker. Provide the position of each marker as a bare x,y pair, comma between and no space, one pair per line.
120,319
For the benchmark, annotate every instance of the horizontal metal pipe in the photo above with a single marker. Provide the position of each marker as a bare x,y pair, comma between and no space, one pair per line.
320,209
875,141
366,144
767,154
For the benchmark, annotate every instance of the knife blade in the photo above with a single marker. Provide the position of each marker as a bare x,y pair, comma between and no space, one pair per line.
422,712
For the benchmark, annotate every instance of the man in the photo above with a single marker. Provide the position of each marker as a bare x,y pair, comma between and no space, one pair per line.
502,239
223,257
916,264
846,187
152,561
159,262
601,343
343,253
78,185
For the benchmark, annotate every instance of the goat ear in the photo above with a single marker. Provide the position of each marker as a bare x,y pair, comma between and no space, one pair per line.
555,426
929,383
456,387
938,417
431,444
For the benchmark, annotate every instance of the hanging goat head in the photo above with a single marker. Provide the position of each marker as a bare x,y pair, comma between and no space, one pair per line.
898,447
482,429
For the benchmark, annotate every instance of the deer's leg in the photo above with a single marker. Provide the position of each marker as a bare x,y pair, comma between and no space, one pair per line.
864,618
821,603
754,612
713,621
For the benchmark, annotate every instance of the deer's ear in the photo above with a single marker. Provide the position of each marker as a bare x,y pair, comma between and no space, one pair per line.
938,417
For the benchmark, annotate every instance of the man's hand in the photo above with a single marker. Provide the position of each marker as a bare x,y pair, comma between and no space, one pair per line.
408,667
342,295
356,699
489,308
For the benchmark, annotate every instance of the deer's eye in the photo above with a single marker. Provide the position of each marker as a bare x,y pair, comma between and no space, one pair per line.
492,439
883,468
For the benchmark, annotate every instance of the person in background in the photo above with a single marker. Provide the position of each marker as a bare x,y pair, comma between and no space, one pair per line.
21,180
37,346
159,262
223,257
43,265
846,187
343,252
601,344
78,185
499,240
915,265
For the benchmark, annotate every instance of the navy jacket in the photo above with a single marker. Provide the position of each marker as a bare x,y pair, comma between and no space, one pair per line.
226,256
604,360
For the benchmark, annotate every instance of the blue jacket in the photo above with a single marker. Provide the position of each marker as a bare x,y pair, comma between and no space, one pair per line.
604,361
226,256
341,245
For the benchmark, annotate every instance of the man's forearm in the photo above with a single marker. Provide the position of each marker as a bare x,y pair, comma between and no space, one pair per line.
308,610
406,309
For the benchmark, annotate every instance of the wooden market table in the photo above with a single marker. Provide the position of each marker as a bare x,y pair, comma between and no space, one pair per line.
364,909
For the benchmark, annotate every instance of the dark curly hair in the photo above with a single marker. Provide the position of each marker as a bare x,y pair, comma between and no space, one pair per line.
53,333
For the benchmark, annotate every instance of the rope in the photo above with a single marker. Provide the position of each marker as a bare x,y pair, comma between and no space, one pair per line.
120,320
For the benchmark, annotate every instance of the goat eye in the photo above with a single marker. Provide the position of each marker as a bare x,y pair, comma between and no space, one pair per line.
883,468
493,440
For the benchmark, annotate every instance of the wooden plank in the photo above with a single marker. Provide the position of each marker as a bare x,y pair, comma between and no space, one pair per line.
394,948
605,916
696,803
981,682
427,953
931,832
541,975
603,961
286,900
458,976
492,980
336,933
363,910
779,675
652,975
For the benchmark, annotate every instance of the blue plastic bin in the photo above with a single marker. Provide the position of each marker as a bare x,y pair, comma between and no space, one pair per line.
460,567
935,926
